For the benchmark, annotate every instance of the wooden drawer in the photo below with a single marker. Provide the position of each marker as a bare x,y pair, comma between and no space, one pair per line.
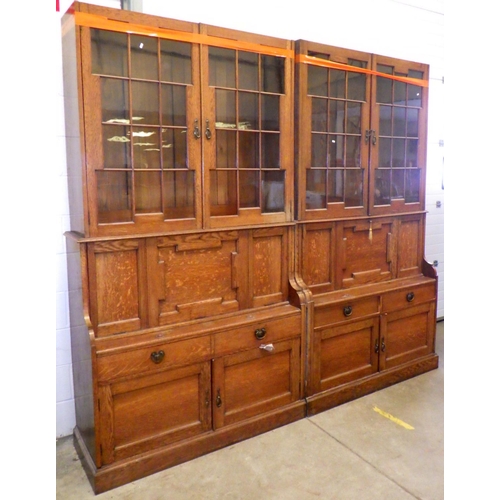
153,358
408,297
345,310
255,334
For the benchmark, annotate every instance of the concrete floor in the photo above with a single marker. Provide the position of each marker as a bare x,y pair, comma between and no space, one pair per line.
360,450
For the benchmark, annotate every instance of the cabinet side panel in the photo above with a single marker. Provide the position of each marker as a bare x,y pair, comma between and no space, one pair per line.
72,123
81,351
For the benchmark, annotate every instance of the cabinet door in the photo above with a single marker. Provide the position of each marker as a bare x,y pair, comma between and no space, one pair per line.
407,334
399,135
144,413
333,117
141,108
343,353
247,128
253,382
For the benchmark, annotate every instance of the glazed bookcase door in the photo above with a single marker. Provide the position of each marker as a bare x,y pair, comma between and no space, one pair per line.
141,107
333,117
247,129
398,136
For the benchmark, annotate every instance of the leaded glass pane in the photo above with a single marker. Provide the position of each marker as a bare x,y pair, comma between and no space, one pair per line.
109,53
354,188
273,74
144,57
317,81
315,189
249,188
248,70
175,61
273,191
222,67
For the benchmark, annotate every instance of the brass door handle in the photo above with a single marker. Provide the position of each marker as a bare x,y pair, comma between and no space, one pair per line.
218,399
196,131
208,133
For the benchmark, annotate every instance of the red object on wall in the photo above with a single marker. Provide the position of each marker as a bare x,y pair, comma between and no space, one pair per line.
57,5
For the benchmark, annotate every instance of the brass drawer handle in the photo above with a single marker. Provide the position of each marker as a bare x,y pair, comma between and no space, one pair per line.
157,356
347,311
267,347
410,296
260,333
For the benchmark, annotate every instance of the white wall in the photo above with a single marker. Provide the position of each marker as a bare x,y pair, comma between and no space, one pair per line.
406,29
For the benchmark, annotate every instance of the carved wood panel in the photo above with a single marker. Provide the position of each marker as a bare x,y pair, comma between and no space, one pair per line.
197,276
367,252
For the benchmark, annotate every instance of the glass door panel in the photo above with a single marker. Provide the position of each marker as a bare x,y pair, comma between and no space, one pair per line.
340,114
247,89
145,88
396,155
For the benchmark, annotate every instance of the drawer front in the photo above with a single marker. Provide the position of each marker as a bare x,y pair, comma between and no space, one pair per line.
154,358
255,334
345,310
408,297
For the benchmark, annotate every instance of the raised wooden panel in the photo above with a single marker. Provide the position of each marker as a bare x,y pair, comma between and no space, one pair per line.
347,352
142,361
408,297
318,257
252,382
410,247
270,330
407,334
268,267
366,252
117,282
145,413
197,276
345,311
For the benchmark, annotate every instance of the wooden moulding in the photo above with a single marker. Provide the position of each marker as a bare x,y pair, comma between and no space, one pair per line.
359,388
137,467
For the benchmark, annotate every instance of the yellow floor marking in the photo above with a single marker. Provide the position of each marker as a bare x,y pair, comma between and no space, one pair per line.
393,419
